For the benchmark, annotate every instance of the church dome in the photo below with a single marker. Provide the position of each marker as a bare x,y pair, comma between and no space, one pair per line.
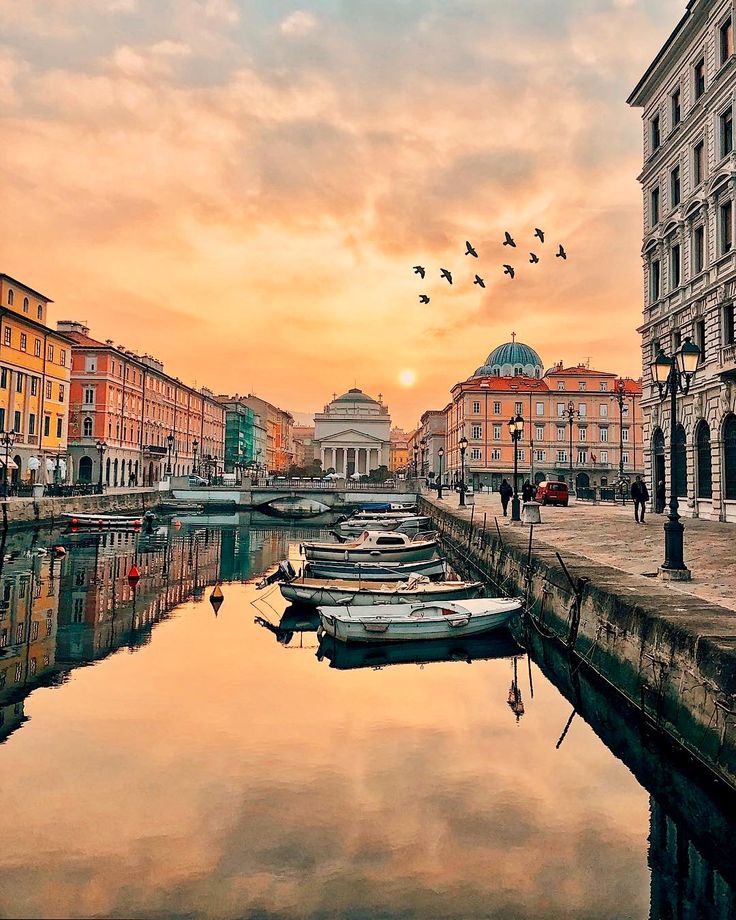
510,360
354,396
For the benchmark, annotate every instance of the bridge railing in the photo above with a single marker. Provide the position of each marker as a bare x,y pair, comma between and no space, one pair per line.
331,485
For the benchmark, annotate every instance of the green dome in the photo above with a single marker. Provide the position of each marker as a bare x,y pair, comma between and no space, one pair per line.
511,359
354,396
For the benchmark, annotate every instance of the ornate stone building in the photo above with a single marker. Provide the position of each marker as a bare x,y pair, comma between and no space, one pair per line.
353,434
688,183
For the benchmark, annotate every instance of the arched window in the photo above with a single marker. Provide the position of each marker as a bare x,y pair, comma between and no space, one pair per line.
11,295
679,473
115,473
87,427
85,469
107,472
40,311
729,457
25,305
702,446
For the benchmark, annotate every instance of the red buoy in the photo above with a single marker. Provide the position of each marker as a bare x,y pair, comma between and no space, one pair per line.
134,575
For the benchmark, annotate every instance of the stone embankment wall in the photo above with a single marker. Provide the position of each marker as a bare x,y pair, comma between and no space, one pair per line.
27,511
671,654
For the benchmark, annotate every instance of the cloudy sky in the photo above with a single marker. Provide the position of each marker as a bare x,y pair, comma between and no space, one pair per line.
241,187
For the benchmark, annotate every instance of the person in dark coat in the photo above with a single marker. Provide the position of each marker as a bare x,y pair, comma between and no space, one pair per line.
505,492
661,497
640,494
527,492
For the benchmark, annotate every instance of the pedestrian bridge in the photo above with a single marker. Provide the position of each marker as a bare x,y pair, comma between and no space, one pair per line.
334,494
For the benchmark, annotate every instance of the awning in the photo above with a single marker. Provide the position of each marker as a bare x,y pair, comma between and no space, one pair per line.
12,465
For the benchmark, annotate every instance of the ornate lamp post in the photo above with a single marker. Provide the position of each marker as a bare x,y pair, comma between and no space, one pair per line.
101,448
416,460
463,444
516,430
620,395
170,446
8,439
195,446
672,376
423,445
440,454
572,413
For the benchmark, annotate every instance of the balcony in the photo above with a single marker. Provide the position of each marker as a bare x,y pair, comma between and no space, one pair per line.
155,451
728,360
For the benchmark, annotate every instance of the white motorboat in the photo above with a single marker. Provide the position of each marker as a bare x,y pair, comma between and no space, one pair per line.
375,571
412,522
411,622
316,592
373,546
85,519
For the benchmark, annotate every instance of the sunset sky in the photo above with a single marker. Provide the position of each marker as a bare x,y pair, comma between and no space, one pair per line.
241,187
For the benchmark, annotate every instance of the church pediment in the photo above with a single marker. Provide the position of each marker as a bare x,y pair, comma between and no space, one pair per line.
352,436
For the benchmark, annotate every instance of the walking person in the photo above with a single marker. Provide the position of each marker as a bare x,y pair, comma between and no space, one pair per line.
661,497
527,492
640,494
505,491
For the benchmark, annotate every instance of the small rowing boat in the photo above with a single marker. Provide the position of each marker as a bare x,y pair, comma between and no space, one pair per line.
375,571
121,521
373,546
412,622
316,592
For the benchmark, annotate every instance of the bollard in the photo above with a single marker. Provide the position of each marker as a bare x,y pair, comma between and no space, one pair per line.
531,514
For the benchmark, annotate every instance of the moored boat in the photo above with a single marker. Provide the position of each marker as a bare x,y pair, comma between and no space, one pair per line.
375,571
414,622
373,545
405,524
294,506
85,519
316,592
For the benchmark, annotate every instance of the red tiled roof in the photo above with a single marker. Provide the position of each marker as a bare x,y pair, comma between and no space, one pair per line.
504,384
580,371
84,340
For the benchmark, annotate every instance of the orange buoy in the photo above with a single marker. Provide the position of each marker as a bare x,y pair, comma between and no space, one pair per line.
59,551
176,523
216,598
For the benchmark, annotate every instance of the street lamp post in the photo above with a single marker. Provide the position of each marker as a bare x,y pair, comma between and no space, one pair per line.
423,445
440,454
463,447
195,446
101,448
170,446
8,439
416,460
572,413
672,376
620,395
516,429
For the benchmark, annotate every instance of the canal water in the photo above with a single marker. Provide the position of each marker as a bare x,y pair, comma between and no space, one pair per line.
159,760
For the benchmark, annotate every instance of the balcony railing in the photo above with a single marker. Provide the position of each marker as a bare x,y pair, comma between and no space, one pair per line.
728,356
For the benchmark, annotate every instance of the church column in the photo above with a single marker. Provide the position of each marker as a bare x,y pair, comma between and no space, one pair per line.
362,460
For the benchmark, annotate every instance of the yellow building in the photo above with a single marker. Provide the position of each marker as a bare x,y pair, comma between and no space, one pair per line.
35,366
399,451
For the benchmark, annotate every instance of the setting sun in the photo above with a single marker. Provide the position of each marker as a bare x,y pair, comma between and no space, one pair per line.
407,378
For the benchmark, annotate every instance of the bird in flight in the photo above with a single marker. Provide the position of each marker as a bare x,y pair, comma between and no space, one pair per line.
470,250
533,258
539,234
479,281
509,241
423,298
508,270
446,274
419,270
561,254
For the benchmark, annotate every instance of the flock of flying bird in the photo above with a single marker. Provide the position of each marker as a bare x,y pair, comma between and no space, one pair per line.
509,270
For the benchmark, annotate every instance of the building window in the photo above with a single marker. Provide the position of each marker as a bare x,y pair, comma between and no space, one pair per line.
625,457
699,78
90,364
11,296
48,389
562,456
540,455
604,386
726,123
23,342
726,40
34,386
603,434
19,382
522,455
539,408
475,453
497,408
495,454
654,207
89,396
560,384
25,304
17,421
582,456
496,432
62,357
582,434
7,336
656,133
37,348
39,312
676,108
726,229
61,392
539,432
674,266
698,249
582,385
624,434
654,280
476,432
603,410
560,410
582,410
476,408
50,352
59,425
700,337
675,187
560,433
519,408
604,457
31,424
46,425
698,161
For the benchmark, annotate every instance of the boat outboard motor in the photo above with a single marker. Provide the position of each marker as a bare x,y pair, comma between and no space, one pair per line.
338,536
284,572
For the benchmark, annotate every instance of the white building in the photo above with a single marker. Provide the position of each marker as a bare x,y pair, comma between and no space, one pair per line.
688,183
353,434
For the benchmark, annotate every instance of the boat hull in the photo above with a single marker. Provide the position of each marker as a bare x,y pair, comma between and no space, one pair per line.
332,595
387,623
370,571
338,552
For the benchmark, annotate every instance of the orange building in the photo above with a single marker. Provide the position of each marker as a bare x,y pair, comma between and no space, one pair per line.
34,384
398,453
573,425
145,419
277,455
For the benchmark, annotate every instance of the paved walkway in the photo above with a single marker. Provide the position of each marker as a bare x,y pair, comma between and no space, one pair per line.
608,534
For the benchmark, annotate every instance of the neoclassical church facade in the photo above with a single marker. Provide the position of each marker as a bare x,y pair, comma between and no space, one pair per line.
352,435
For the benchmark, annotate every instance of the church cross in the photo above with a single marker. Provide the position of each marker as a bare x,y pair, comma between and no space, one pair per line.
513,336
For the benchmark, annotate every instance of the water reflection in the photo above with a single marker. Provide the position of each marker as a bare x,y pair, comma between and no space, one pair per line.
211,774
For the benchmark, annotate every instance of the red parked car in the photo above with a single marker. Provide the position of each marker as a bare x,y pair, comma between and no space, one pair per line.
553,493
